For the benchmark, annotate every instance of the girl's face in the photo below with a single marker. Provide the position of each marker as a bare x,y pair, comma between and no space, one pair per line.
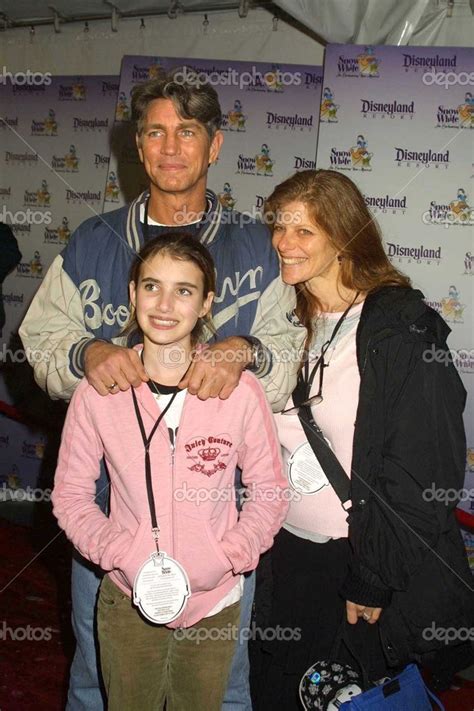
305,250
169,299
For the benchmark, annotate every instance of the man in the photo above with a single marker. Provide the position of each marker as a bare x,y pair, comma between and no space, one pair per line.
81,307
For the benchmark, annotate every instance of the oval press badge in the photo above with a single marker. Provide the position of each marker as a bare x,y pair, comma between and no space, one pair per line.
305,474
161,589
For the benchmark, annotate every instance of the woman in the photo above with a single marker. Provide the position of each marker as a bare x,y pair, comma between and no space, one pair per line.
392,415
174,543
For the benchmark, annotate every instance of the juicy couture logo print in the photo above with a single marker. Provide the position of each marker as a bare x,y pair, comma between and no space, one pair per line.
208,455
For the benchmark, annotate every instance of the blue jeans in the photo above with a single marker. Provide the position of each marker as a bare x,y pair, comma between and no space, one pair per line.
237,695
85,693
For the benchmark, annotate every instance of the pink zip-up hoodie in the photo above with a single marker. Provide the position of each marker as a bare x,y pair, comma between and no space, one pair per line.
193,487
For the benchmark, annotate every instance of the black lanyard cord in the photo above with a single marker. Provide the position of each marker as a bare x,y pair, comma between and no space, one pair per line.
146,442
320,362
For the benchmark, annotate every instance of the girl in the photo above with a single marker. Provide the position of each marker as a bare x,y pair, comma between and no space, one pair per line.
174,546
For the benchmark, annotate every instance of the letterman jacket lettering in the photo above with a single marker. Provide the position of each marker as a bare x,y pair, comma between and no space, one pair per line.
85,295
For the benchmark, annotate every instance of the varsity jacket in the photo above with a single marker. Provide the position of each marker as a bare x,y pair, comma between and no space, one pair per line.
193,486
85,295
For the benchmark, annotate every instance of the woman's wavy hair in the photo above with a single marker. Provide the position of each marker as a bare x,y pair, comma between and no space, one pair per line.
182,246
338,207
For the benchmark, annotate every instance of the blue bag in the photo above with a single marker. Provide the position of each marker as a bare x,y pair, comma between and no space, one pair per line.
405,692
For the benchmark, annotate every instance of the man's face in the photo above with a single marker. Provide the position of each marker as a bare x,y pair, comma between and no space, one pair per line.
176,152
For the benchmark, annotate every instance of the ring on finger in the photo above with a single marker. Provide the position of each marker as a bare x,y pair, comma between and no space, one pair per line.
111,386
366,616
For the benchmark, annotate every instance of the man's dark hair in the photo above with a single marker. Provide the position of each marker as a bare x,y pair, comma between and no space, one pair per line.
192,99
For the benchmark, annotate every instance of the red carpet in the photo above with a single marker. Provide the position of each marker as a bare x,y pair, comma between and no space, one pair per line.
35,608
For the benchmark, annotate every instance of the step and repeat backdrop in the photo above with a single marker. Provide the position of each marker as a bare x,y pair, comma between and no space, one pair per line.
55,138
270,124
398,121
59,135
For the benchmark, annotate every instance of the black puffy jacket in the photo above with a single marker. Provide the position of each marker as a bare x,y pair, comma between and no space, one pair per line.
409,557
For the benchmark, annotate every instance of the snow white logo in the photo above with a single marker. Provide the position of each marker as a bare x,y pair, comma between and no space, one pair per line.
208,454
451,307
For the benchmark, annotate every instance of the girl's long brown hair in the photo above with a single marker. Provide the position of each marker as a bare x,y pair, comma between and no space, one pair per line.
337,206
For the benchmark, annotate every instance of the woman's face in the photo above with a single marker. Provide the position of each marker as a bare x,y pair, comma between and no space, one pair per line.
305,252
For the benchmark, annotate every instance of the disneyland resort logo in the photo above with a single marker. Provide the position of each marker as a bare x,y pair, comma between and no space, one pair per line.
11,121
289,121
260,164
226,199
364,64
122,111
21,158
461,116
89,124
58,235
450,307
328,112
12,298
101,161
76,197
32,269
39,198
109,88
386,204
69,163
404,254
415,62
20,230
427,158
46,127
301,163
312,80
357,157
235,119
74,91
112,188
387,109
456,213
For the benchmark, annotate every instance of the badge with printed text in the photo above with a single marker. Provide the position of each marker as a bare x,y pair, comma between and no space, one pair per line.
161,589
305,474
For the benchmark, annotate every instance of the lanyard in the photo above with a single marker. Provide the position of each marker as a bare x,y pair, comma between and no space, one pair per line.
309,377
155,529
